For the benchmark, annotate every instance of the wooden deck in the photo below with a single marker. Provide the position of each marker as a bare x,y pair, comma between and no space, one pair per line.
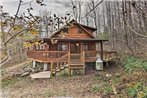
58,59
58,56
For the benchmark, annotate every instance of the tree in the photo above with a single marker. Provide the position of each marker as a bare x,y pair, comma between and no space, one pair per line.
14,27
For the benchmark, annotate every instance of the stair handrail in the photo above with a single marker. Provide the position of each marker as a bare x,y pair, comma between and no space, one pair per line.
66,55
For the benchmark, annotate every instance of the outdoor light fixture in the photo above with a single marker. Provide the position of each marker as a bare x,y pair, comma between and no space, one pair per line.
77,44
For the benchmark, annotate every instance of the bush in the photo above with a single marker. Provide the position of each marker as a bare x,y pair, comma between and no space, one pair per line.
103,35
106,89
138,90
131,63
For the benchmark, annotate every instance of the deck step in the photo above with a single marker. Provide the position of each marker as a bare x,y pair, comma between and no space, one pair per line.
76,64
44,74
76,67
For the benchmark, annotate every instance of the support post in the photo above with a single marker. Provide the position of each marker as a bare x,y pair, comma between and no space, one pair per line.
69,71
34,64
69,46
101,54
51,69
45,66
83,62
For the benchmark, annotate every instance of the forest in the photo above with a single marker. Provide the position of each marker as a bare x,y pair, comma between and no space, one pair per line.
122,22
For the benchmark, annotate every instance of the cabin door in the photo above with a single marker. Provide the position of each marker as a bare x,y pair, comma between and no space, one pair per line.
75,48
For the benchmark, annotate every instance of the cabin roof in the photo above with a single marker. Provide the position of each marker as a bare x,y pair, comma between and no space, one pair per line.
69,40
92,28
80,25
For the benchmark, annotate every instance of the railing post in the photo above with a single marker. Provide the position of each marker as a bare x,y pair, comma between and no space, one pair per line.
83,62
69,63
101,54
34,64
45,67
51,69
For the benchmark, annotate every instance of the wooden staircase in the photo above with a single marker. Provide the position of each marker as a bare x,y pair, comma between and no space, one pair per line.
60,70
76,61
66,63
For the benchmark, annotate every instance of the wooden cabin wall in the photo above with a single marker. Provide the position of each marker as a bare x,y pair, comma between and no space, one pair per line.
53,47
92,46
74,32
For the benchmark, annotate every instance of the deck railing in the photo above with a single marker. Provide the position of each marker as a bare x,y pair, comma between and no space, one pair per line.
46,55
57,56
93,55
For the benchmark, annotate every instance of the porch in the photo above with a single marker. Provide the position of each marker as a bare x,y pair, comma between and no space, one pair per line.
58,56
71,54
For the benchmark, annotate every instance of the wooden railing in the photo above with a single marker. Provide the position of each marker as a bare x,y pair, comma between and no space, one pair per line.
93,55
46,56
77,57
57,56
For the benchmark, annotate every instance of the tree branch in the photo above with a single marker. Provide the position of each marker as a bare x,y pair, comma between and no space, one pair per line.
134,30
93,8
6,59
14,36
20,1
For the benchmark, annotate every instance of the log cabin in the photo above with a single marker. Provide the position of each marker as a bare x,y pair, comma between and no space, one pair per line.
70,48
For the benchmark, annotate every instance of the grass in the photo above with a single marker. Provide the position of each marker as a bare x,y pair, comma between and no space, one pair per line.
78,86
7,82
51,94
101,89
104,88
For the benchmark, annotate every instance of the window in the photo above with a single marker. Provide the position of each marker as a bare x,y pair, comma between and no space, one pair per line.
85,47
63,47
91,46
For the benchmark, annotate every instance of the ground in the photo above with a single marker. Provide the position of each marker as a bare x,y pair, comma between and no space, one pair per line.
109,83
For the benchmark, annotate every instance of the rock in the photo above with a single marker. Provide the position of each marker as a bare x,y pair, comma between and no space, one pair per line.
117,74
35,70
25,73
17,74
108,75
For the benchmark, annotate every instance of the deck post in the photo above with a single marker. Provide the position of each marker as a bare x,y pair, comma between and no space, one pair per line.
83,62
45,66
101,47
69,46
69,71
81,51
51,69
34,64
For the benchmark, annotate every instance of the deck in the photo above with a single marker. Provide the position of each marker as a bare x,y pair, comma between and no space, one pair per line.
58,59
58,56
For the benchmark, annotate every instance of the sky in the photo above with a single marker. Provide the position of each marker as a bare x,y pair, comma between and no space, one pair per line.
60,7
57,6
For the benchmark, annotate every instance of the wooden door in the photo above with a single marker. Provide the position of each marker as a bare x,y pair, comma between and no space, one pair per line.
75,48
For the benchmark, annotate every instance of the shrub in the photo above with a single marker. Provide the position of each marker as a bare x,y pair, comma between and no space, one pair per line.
138,90
106,89
95,89
103,35
131,63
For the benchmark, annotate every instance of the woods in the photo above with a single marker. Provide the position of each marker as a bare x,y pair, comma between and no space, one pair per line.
68,44
123,21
